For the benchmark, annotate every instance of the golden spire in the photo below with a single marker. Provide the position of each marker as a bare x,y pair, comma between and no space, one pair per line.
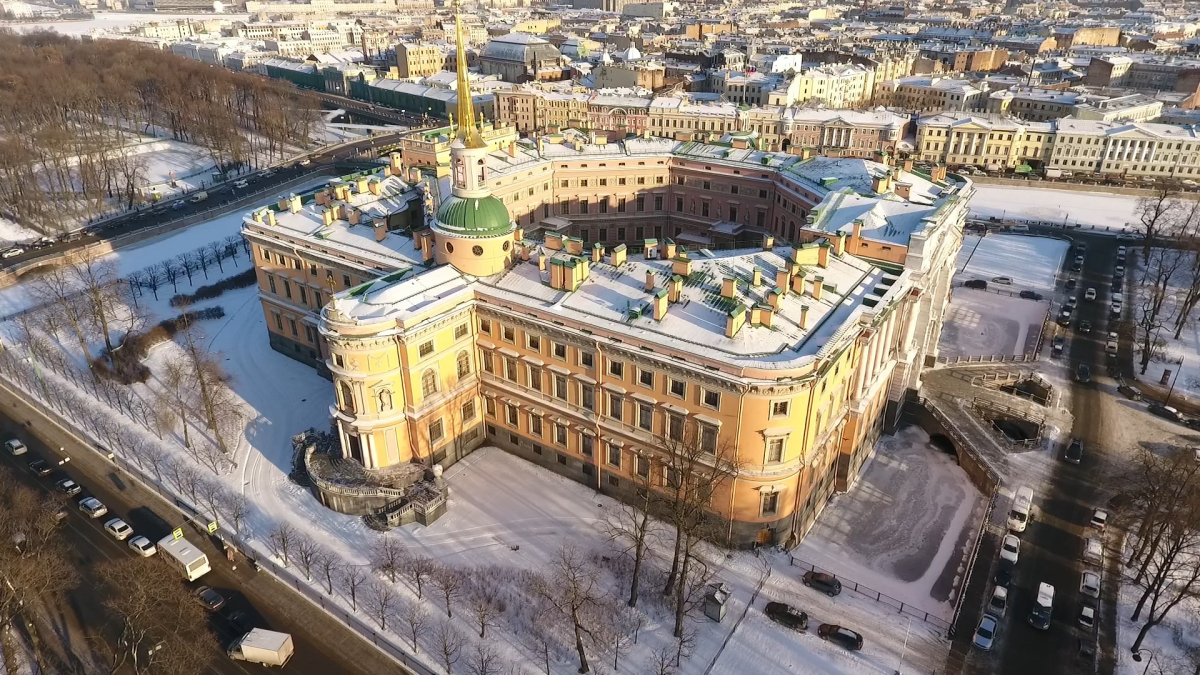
467,131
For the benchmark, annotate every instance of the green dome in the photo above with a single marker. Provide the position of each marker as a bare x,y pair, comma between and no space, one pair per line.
474,216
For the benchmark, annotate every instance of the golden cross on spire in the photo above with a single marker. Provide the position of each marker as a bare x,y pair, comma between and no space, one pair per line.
467,131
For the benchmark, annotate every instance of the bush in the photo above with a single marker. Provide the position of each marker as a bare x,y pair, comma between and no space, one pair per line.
209,291
126,361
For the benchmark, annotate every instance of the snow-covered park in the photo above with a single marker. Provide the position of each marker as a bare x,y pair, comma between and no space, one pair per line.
1032,263
1099,210
506,518
1180,356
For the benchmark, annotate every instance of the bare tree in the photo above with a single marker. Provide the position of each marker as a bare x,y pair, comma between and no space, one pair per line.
484,660
414,617
381,601
419,568
387,556
1160,269
282,541
449,641
97,281
236,508
353,578
308,554
633,528
55,289
450,582
329,565
574,593
486,606
1158,215
661,662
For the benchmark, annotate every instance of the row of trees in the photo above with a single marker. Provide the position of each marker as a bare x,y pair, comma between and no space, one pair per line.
70,110
1168,282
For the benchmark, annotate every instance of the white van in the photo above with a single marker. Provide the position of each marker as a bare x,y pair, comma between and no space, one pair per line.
1022,509
1039,617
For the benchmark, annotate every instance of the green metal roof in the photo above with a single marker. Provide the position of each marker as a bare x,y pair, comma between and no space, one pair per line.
474,216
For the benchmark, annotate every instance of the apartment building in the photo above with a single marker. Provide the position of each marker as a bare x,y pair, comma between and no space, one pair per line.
846,85
842,133
983,141
1040,105
415,59
430,149
1144,71
921,93
1126,149
744,88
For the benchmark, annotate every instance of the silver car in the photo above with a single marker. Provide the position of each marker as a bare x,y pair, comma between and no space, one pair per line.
985,634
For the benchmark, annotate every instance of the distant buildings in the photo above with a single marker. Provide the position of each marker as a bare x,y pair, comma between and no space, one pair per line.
521,57
927,94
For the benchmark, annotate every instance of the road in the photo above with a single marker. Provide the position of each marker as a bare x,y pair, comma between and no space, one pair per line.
1051,545
323,645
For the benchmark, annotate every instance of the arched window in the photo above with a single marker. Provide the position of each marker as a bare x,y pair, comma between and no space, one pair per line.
385,400
429,385
464,364
347,397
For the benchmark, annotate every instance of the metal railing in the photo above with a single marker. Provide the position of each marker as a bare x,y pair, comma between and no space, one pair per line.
868,592
988,358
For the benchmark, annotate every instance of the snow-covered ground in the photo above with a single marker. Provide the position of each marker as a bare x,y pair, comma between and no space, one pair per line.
1175,643
12,233
1099,210
115,21
984,323
905,527
1180,356
1031,262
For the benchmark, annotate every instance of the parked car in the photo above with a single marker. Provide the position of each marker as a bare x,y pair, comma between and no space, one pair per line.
1089,294
1074,453
826,583
1010,548
1043,607
69,487
1057,346
142,546
998,604
1064,317
843,636
1119,271
1031,295
1003,281
92,507
786,615
44,242
210,598
1099,520
1111,346
1165,411
1130,393
1114,310
985,633
305,162
975,283
181,204
198,197
15,447
241,184
1085,326
267,174
40,468
1071,303
12,252
1093,551
1087,617
1071,283
1089,584
1004,572
1083,373
119,529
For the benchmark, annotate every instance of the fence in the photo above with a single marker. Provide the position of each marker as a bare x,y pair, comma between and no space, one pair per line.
866,591
988,358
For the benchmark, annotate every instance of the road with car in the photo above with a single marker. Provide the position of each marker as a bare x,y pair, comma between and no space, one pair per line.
238,597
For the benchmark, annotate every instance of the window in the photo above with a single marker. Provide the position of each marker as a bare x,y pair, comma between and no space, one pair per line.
535,378
587,445
533,342
460,331
508,334
468,411
338,361
347,397
303,295
346,280
712,399
646,416
583,206
642,466
425,349
775,449
587,397
616,369
615,406
679,204
671,477
266,255
489,406
428,383
562,459
510,368
614,455
560,350
708,438
463,364
678,388
585,359
560,435
292,323
621,205
603,204
564,183
779,408
535,425
675,426
485,359
435,431
658,201
512,414
317,298
287,288
271,283
560,387
770,503
646,378
485,326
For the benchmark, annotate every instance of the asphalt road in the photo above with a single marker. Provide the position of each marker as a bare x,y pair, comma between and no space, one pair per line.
1051,544
323,646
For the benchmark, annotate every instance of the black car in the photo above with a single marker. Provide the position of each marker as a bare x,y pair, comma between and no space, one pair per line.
1031,295
210,598
1056,348
1074,453
975,283
1085,326
826,583
40,467
243,623
1165,411
843,636
1071,284
786,615
1083,373
1004,572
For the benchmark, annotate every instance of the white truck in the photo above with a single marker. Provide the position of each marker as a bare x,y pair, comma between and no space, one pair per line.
265,647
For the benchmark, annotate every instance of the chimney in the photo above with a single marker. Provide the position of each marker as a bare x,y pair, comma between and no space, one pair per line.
757,278
904,190
343,211
798,284
519,234
767,315
675,288
574,246
938,173
908,165
735,320
554,241
542,263
327,216
728,288
617,257
682,266
879,184
817,286
856,235
380,230
282,203
668,249
756,315
427,242
414,175
512,148
387,171
768,242
294,203
360,185
321,197
806,153
373,186
355,216
823,254
803,317
258,216
649,280
271,217
774,297
394,162
660,304
783,281
524,252
597,252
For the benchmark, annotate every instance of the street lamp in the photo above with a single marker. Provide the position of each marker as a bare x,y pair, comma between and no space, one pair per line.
1137,656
